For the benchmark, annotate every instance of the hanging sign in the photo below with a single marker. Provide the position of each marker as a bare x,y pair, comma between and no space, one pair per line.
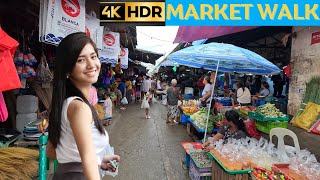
63,17
124,58
92,29
110,47
315,38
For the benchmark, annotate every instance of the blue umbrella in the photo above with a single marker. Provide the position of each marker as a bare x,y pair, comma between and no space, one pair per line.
229,57
224,58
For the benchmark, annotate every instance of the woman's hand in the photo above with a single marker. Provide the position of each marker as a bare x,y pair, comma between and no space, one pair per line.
206,144
106,165
200,99
43,125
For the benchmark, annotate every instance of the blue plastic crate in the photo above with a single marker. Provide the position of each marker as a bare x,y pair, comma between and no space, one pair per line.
185,119
196,173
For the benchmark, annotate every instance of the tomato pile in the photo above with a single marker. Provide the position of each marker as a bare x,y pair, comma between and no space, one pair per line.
263,174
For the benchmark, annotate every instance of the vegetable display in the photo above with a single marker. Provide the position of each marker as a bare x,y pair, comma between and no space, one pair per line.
200,119
270,111
262,173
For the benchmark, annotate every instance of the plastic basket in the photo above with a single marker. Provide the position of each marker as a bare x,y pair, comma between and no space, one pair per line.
259,117
198,164
196,173
227,170
268,125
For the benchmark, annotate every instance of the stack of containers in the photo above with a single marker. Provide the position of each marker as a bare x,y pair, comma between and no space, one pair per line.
27,107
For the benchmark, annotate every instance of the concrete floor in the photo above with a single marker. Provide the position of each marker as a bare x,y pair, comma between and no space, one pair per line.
149,148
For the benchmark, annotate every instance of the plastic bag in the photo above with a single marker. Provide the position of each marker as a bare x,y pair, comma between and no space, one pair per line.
109,151
308,117
3,109
124,101
9,78
251,129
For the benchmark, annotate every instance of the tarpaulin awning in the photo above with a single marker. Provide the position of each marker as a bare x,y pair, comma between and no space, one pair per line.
193,33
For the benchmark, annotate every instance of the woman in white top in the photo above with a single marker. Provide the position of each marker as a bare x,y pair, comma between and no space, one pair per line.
75,131
243,96
206,93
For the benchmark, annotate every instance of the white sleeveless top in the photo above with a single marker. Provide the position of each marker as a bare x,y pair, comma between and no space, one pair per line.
67,150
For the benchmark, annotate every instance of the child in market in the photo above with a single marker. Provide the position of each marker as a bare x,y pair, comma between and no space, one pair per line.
145,103
107,106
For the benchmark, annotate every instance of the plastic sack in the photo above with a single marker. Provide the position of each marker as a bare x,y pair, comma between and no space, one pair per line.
124,101
3,109
9,78
251,129
316,127
308,117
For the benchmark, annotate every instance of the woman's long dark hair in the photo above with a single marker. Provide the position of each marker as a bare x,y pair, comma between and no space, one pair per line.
66,57
241,85
233,116
207,78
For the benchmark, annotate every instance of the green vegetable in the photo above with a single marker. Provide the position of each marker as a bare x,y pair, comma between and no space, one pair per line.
200,119
270,111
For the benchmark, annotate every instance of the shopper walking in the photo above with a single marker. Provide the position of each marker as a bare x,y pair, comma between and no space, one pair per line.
146,103
75,130
173,96
107,107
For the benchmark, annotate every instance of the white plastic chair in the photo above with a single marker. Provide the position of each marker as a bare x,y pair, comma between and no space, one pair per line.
281,133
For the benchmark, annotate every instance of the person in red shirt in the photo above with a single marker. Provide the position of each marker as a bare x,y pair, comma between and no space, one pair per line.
201,85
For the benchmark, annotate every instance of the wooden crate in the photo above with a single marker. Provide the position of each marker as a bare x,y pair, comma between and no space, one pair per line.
219,174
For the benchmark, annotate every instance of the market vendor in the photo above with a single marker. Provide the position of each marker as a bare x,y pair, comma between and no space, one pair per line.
243,95
233,127
263,93
206,93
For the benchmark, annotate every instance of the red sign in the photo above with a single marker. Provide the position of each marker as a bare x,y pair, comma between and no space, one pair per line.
71,7
87,31
315,38
123,52
109,39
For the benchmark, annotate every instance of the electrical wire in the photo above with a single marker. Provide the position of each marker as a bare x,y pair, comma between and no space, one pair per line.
151,36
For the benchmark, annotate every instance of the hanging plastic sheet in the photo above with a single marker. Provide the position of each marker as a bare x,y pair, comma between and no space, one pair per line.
9,78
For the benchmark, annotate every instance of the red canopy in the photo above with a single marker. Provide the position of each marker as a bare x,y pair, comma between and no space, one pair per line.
193,33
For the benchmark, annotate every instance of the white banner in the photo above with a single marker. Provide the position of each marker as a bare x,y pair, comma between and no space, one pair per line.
124,58
92,29
110,47
64,17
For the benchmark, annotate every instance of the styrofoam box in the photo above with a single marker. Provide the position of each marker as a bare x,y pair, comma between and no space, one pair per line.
23,119
188,90
27,104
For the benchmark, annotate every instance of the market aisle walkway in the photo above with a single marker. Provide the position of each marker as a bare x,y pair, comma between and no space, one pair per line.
149,148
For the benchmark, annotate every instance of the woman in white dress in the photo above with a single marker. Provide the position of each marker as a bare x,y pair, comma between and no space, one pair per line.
75,131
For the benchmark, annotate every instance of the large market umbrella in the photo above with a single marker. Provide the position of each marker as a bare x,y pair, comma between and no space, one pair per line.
231,59
224,58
